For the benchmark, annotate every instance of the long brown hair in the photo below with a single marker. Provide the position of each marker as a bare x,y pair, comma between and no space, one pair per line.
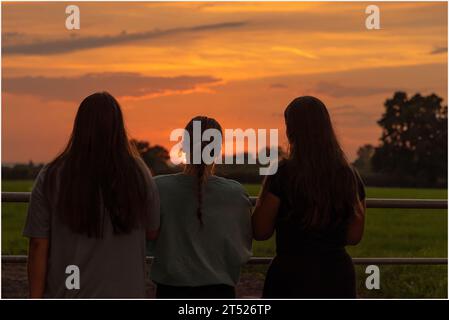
97,173
318,169
199,169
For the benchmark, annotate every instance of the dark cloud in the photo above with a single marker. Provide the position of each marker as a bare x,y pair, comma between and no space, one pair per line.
84,43
438,50
12,34
351,116
118,84
338,91
343,109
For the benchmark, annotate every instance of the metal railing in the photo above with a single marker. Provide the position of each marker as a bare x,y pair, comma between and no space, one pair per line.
23,197
267,260
371,203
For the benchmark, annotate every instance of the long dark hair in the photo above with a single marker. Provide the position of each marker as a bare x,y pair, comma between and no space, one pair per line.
320,175
206,123
97,174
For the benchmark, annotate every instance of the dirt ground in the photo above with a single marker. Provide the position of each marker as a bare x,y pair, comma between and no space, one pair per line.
14,283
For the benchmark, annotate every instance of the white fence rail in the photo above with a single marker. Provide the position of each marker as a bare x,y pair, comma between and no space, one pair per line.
23,197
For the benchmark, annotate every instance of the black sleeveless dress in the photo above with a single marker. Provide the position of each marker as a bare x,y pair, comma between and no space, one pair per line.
307,264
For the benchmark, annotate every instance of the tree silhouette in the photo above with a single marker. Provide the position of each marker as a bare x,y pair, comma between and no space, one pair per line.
414,138
155,157
364,157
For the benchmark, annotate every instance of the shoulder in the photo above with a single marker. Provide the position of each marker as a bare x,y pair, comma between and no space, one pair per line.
357,176
352,172
40,184
145,172
229,184
142,165
355,172
43,174
165,179
230,190
40,178
360,185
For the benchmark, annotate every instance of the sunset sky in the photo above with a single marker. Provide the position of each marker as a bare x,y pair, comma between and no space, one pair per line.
241,63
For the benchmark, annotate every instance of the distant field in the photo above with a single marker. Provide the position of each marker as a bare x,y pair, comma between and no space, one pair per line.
389,233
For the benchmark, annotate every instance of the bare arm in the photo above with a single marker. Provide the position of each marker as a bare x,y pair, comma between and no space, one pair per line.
265,213
357,224
37,266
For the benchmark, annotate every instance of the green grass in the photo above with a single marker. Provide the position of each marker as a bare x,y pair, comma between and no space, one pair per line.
13,219
389,233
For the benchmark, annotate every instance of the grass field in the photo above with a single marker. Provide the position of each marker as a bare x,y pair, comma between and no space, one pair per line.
389,233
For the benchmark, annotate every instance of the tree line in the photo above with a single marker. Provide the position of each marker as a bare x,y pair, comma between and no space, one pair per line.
412,149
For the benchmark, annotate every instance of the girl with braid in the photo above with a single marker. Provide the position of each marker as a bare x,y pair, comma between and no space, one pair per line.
205,234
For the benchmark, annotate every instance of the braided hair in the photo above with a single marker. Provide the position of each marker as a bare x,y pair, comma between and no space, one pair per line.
200,168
